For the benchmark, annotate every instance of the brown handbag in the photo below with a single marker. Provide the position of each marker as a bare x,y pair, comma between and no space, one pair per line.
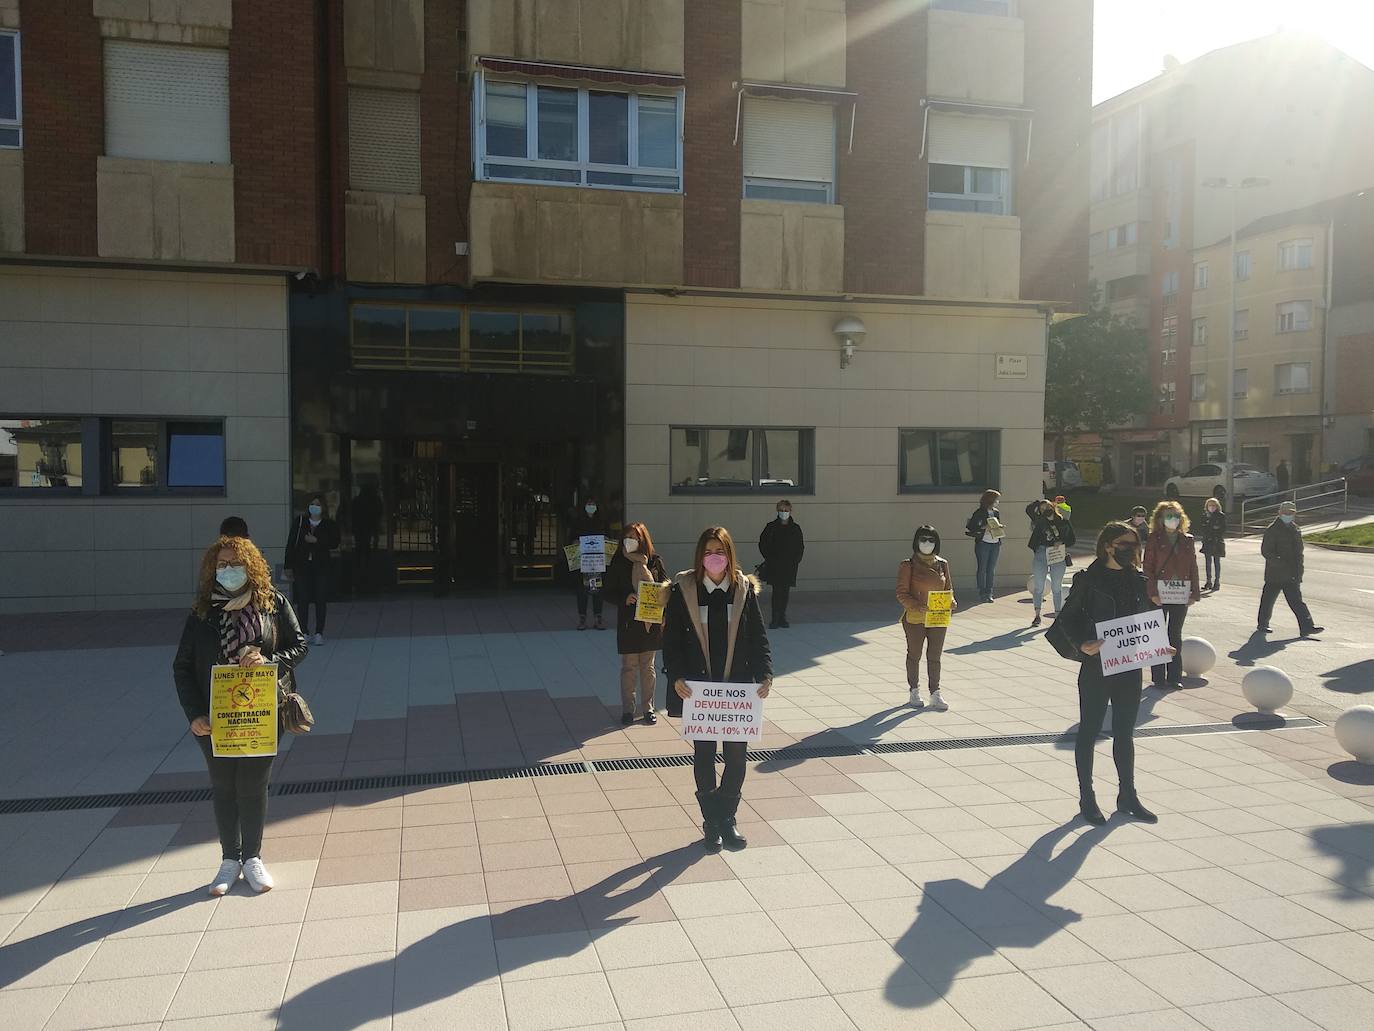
293,711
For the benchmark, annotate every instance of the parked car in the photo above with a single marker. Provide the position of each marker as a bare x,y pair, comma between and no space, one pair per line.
1359,474
1209,481
1069,474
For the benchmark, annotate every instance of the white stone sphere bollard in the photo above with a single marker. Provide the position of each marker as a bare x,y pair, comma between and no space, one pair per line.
1355,732
1198,656
1267,688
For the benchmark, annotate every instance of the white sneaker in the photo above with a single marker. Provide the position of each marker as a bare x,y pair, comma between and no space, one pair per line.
937,703
317,639
228,873
257,876
916,702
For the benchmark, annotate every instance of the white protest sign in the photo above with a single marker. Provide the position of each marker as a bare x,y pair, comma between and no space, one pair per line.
1133,641
1174,592
1055,554
722,712
593,548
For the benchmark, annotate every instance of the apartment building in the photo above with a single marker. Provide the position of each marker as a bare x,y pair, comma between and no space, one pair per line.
1287,108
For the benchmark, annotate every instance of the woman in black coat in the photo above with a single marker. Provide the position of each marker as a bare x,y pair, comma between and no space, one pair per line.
638,643
713,631
782,545
1212,534
309,556
238,618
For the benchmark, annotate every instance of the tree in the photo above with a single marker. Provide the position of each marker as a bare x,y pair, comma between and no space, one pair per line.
1097,374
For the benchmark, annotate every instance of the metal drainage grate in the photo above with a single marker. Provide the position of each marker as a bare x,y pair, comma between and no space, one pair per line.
13,806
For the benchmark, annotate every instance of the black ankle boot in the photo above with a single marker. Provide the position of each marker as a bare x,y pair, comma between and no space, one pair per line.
710,828
726,807
1088,809
1128,803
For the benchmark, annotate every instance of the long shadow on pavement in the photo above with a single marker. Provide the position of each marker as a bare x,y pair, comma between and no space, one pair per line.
1357,678
1353,845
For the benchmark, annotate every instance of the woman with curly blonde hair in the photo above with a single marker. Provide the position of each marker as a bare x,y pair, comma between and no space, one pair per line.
1171,578
238,617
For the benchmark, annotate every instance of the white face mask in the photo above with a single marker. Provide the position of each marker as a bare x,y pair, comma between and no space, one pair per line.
784,516
1171,522
630,544
590,509
1212,509
925,547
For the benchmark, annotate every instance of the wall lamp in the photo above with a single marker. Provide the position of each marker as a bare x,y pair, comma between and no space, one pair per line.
850,331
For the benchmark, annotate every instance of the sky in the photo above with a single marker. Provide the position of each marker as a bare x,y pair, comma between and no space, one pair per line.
1131,37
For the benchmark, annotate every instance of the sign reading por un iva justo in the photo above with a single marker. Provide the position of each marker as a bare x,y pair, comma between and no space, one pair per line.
722,712
1133,641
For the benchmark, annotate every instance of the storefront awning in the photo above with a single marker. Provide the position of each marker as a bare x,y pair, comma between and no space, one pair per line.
578,72
1004,112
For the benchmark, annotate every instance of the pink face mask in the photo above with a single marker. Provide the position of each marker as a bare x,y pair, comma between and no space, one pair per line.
715,565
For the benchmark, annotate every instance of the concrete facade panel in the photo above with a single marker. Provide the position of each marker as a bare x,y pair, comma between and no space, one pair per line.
165,209
972,57
646,35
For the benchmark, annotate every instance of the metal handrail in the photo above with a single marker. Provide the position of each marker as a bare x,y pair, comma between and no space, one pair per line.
1257,513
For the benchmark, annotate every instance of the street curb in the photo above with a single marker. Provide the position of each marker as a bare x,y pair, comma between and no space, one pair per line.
1354,549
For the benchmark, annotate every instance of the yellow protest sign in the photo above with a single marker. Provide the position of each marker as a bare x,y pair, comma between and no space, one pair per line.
653,599
939,605
243,710
573,553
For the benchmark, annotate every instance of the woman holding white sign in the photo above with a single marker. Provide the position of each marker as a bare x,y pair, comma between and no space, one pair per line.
1172,580
1050,540
638,641
238,617
713,631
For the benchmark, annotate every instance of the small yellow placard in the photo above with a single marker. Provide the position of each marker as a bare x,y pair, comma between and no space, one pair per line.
653,599
243,710
573,553
939,605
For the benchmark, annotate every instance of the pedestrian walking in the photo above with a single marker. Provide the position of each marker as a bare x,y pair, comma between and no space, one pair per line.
1140,517
637,642
782,545
310,557
367,520
986,529
713,631
917,576
1050,539
1212,532
238,616
1108,589
589,522
1282,474
1171,580
1283,568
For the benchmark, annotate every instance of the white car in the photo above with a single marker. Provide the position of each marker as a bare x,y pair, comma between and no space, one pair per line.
1209,481
1071,476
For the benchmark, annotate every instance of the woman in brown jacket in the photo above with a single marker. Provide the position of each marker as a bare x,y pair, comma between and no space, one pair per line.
917,576
635,562
1171,565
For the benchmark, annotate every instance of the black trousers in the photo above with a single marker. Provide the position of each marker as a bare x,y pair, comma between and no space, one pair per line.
239,789
312,585
1094,692
780,599
1292,593
704,766
1171,672
583,594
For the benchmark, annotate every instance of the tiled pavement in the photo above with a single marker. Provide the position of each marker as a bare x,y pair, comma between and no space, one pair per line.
944,889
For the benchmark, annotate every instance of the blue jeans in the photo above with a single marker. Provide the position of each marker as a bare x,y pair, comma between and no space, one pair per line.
986,556
1041,568
1213,568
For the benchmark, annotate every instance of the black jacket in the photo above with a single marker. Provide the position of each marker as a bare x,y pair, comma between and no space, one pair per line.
685,659
782,546
1211,531
1282,551
1091,601
281,642
631,638
1045,533
301,554
978,522
583,525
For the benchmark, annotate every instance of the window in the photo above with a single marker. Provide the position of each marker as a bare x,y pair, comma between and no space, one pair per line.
11,106
1000,8
1242,324
1169,287
579,137
948,461
1293,378
1240,383
741,460
383,140
1169,356
970,162
166,103
195,454
1123,235
1200,332
1168,334
1168,393
789,150
455,338
1295,316
1126,151
1242,265
40,453
1200,276
1295,254
1198,387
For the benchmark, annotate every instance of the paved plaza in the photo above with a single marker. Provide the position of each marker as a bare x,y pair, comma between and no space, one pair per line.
927,870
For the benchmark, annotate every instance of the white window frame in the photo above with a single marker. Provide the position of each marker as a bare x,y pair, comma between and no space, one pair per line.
582,166
1169,355
1200,332
17,123
1003,198
1242,263
1280,389
1242,316
1197,387
1295,254
1240,376
1287,317
1200,275
825,191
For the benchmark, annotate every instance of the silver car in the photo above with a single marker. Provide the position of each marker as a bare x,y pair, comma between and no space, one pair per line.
1209,481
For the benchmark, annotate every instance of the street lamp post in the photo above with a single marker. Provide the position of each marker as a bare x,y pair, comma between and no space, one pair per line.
1229,387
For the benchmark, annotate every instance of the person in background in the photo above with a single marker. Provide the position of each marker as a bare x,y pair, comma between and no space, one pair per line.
1282,475
310,555
237,617
1140,516
1108,589
588,522
1050,532
917,576
713,630
1212,531
1171,555
1066,510
234,526
985,527
635,562
782,545
1282,551
367,519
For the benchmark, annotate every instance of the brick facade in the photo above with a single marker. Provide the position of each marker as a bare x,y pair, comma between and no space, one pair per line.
714,166
64,126
1178,258
1354,374
445,147
882,184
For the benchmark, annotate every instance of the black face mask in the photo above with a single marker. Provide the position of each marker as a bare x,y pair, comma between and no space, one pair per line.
1125,556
